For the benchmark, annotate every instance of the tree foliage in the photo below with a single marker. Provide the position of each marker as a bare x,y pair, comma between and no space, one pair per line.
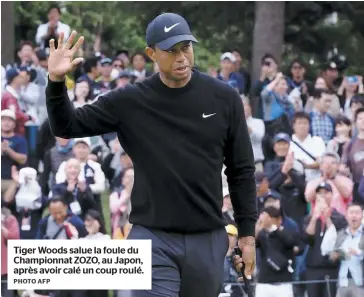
219,26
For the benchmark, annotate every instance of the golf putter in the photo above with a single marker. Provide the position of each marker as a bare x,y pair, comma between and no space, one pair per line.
246,287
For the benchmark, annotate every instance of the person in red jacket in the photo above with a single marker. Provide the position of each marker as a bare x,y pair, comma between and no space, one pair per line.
9,230
10,97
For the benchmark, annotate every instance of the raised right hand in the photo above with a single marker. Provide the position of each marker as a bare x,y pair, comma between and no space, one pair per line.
60,61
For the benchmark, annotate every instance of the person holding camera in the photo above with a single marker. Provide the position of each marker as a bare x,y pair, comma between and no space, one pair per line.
350,86
276,245
318,266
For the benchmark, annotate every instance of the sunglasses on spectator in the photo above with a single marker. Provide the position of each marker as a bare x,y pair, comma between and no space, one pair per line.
298,67
118,65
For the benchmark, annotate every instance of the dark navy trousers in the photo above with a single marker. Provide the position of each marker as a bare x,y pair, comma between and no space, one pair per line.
184,265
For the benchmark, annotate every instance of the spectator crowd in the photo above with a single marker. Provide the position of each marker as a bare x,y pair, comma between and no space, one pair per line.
308,143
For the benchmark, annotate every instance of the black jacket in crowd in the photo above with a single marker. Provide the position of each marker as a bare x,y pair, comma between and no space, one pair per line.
314,259
282,242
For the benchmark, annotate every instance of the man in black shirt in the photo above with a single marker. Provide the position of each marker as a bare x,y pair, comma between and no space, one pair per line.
178,126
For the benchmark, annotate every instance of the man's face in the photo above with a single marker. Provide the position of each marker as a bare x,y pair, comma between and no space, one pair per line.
360,121
301,126
58,211
324,196
81,151
7,125
176,63
297,70
329,165
227,66
123,57
324,102
247,109
270,65
106,70
138,62
25,53
354,216
53,15
73,169
281,148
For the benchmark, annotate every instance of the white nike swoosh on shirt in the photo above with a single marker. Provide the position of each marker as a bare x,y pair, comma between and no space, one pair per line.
167,29
207,115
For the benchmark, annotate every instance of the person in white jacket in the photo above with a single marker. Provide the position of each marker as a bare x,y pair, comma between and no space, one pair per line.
52,29
91,171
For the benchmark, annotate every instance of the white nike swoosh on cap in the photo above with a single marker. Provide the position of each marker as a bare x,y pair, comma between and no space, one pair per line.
167,29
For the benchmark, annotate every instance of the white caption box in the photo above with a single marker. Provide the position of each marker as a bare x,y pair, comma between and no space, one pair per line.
79,264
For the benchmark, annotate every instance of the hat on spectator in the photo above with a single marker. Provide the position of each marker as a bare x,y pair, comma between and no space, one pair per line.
272,194
105,61
259,177
282,137
324,186
85,140
30,71
225,192
231,230
8,113
228,56
126,74
12,73
272,211
168,29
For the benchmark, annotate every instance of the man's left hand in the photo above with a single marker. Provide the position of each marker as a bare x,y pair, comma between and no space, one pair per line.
247,247
5,146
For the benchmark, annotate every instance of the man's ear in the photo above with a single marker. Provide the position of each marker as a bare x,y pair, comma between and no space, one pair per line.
150,52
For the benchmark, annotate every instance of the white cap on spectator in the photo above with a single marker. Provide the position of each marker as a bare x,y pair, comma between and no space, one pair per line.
228,56
225,192
8,113
85,140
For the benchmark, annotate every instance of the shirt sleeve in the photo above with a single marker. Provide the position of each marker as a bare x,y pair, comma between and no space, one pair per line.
240,169
100,117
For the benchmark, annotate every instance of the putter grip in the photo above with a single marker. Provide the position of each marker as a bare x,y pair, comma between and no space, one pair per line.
238,252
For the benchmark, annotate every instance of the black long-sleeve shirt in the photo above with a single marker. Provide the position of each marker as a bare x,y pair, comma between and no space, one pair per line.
178,139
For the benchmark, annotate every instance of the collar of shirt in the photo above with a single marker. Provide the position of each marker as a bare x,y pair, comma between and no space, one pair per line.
358,232
319,114
308,138
139,73
12,91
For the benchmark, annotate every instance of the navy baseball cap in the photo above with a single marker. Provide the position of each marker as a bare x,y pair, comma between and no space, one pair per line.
168,29
12,73
324,186
272,194
282,137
